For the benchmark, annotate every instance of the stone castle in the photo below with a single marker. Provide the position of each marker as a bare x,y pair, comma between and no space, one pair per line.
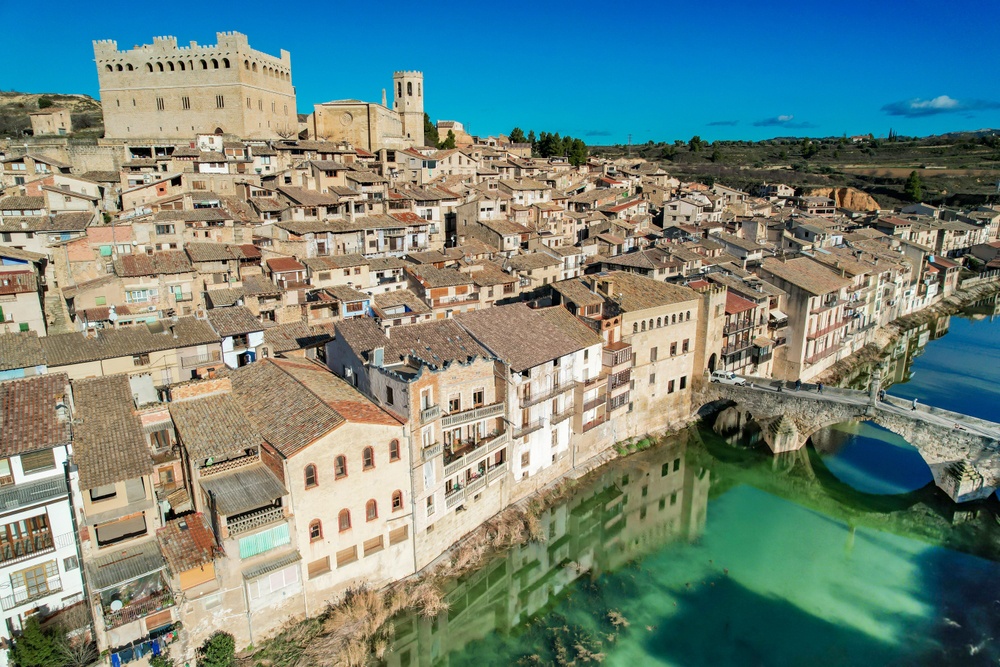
165,91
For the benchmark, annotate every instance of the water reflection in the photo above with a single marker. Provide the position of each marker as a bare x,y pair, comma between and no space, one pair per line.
871,459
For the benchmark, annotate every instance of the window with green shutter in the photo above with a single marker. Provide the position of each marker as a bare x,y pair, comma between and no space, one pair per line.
23,326
252,545
101,300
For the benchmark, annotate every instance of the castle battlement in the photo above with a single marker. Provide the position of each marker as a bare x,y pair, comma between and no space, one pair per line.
407,72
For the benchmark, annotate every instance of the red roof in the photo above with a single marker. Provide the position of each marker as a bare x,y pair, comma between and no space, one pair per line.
284,264
737,304
250,251
407,216
698,284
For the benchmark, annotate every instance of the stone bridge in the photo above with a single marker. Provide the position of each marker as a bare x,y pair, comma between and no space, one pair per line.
962,452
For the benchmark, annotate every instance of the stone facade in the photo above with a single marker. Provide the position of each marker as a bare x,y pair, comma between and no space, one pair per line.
164,91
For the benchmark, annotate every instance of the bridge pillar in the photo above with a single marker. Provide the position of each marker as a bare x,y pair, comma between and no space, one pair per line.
876,385
783,435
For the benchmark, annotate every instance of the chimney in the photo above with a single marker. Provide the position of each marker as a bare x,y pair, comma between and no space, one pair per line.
378,357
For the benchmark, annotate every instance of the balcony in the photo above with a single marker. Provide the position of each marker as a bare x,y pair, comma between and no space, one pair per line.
457,496
254,520
193,361
617,354
819,356
735,348
28,547
23,596
741,325
226,466
475,414
534,398
559,417
432,451
430,414
475,451
825,330
496,472
139,609
595,403
594,423
528,428
183,296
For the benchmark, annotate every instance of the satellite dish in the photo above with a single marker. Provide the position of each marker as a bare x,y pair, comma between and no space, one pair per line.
116,605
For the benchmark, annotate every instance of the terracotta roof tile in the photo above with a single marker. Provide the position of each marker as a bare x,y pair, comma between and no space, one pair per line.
29,420
187,542
108,441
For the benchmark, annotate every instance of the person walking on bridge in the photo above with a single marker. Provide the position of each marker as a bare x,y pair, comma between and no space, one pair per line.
798,384
819,387
914,404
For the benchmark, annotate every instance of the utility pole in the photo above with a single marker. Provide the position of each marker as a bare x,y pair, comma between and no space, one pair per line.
630,144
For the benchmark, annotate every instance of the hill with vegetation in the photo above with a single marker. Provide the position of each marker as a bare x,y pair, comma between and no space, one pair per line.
956,168
15,107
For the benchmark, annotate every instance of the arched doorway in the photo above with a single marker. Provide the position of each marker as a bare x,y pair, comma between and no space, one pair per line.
711,363
218,130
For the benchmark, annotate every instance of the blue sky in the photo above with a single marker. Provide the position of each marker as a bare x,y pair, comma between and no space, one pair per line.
596,70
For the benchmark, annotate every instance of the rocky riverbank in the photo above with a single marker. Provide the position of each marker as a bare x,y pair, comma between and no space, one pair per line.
888,335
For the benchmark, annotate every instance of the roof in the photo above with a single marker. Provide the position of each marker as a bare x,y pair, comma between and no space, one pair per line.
213,426
213,252
29,420
634,292
328,262
243,489
77,348
60,222
521,336
435,343
234,321
304,197
186,542
288,415
346,293
575,291
806,274
282,264
124,564
108,441
160,263
361,334
21,203
18,282
222,298
400,297
20,349
534,260
737,304
296,336
337,393
256,285
435,277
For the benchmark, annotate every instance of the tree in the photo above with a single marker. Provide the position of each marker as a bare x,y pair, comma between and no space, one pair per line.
517,136
219,650
914,188
694,145
36,647
449,142
431,137
716,155
44,102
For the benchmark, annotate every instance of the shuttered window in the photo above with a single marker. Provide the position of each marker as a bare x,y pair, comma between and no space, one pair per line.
264,541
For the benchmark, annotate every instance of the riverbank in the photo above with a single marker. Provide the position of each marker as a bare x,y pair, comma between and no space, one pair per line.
890,334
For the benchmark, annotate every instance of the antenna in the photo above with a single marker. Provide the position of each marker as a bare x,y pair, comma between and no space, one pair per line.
630,144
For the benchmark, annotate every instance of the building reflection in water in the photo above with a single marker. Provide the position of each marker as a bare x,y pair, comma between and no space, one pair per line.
634,508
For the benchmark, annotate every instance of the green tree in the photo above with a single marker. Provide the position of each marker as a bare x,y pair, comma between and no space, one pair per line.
36,647
716,155
578,152
430,132
219,650
44,102
449,141
694,144
914,188
517,136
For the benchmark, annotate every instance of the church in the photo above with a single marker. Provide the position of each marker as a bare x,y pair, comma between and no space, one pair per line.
375,126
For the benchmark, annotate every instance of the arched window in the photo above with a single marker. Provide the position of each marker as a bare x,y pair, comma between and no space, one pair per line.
399,89
315,530
371,510
397,501
108,68
651,323
191,64
419,93
129,68
149,67
180,63
635,327
644,325
340,467
246,64
659,322
159,67
368,458
170,64
204,65
394,450
225,63
310,475
215,64
119,68
344,520
254,67
688,317
409,88
674,318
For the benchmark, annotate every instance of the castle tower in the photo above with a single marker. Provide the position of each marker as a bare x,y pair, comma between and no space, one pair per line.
408,102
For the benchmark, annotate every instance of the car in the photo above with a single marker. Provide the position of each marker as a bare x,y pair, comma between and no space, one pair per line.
728,377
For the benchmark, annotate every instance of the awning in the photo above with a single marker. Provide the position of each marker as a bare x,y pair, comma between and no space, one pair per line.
271,566
763,341
777,315
243,490
125,565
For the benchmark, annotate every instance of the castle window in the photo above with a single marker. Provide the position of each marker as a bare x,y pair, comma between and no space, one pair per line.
409,89
340,467
108,68
180,63
170,64
225,63
159,66
129,68
394,450
215,64
419,93
204,65
368,458
186,103
159,104
248,103
255,67
399,89
220,102
149,67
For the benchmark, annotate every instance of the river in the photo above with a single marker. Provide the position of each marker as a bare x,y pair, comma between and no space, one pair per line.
699,552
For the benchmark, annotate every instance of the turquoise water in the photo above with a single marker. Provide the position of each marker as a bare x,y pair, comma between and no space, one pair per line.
871,459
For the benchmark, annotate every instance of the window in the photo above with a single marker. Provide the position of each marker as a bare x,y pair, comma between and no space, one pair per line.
368,458
388,395
318,567
35,580
525,459
430,504
478,398
684,381
397,501
686,345
38,461
673,349
160,440
374,545
103,492
455,404
653,353
340,467
186,103
310,475
347,556
220,101
398,535
166,475
164,229
670,387
652,378
659,322
371,510
140,360
159,104
315,530
344,520
70,563
273,582
394,450
677,464
673,318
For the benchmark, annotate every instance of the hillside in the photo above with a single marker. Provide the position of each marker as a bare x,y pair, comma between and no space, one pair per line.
960,168
14,109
